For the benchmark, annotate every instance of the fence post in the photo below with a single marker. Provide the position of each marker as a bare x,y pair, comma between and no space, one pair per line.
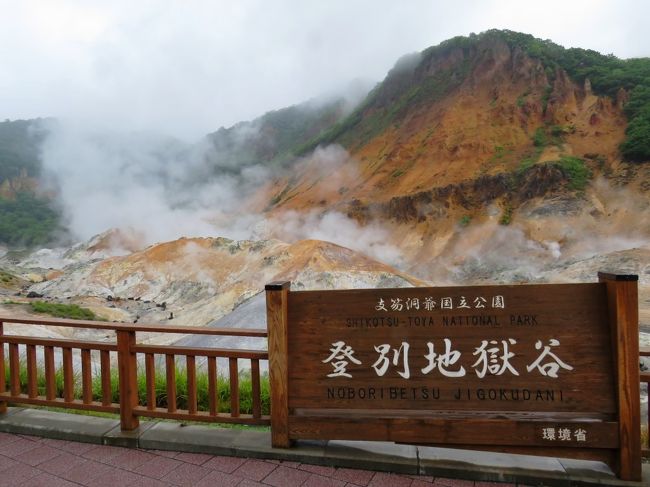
127,369
3,383
622,303
277,294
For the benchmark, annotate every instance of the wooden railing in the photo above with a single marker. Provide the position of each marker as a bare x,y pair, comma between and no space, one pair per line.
125,355
645,378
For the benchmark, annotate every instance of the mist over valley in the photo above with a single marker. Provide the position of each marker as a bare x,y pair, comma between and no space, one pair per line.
491,158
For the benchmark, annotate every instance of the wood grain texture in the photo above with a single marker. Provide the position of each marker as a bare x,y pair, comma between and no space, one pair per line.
509,365
14,369
455,431
68,375
153,328
86,377
645,377
622,298
234,387
50,380
564,313
125,351
277,325
170,371
58,342
32,379
190,367
127,368
256,389
150,379
61,403
213,397
205,416
202,352
105,366
3,384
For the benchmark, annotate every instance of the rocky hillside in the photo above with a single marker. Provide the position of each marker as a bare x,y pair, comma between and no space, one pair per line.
275,138
483,106
496,157
486,132
194,281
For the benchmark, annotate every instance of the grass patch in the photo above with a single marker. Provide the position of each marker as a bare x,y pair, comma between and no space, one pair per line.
58,310
506,216
223,388
465,220
7,278
576,170
28,220
526,164
539,137
521,99
545,97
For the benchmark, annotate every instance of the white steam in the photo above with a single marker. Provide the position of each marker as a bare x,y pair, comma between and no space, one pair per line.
142,181
372,240
167,190
605,221
494,252
329,170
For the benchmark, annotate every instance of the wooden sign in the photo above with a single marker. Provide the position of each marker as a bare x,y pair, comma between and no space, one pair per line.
534,369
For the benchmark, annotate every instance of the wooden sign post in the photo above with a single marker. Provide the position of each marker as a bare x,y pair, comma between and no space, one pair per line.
546,370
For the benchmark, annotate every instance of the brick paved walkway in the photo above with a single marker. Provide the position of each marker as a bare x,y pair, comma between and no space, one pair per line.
32,461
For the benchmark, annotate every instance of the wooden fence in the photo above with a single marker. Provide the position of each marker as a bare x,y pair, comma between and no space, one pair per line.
360,365
124,355
645,378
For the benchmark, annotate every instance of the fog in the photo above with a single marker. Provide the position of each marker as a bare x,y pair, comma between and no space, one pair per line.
117,75
167,189
187,69
612,219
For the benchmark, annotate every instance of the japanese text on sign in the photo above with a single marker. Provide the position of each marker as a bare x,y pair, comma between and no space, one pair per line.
493,357
449,302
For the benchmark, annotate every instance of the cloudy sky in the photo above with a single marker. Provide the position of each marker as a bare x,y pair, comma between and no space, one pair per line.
188,67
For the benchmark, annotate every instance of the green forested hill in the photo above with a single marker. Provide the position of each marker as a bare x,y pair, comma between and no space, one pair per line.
20,142
26,219
607,75
275,137
410,84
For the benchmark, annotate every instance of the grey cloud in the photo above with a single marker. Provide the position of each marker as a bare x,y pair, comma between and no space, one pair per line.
188,68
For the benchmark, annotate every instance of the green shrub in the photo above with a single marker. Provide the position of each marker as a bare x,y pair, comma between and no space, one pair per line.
203,403
539,137
71,311
28,220
506,216
465,220
545,97
576,170
636,146
526,164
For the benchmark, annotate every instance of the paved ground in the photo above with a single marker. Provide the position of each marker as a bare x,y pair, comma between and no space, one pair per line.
47,448
33,461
